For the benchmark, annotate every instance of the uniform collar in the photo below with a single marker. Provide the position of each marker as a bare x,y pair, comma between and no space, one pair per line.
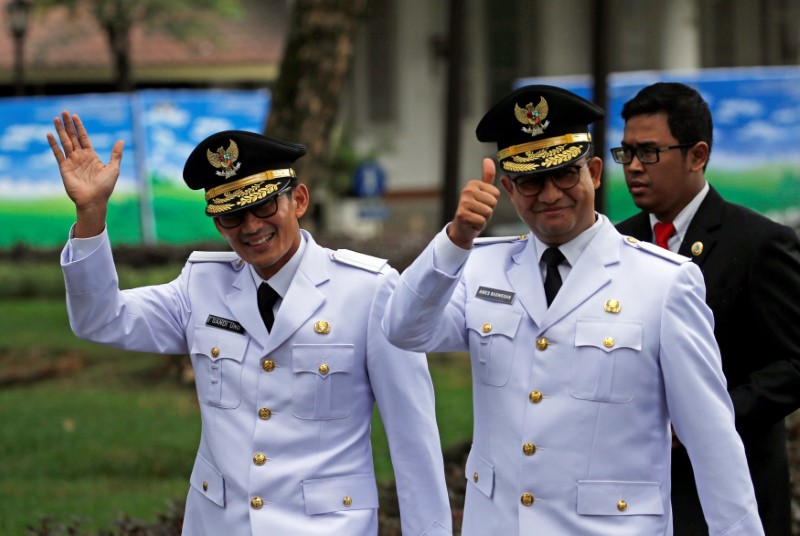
283,278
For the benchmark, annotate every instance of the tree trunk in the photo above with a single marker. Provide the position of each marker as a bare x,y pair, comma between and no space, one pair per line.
315,64
115,16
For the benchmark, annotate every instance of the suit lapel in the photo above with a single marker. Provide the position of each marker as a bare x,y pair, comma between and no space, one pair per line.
243,303
700,234
303,297
640,227
527,283
588,275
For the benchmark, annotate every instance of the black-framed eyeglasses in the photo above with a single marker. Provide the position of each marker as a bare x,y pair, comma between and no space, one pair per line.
646,154
531,184
264,210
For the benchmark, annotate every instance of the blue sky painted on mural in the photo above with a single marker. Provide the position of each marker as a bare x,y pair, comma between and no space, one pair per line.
756,111
159,127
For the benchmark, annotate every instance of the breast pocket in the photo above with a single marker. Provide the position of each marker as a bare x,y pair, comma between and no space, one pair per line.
217,358
491,340
602,350
322,380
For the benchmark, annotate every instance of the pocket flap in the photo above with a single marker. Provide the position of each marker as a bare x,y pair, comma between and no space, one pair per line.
218,344
208,481
614,498
480,473
609,336
312,357
487,321
351,492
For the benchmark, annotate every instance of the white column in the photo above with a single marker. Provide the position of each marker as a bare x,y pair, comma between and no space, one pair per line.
680,36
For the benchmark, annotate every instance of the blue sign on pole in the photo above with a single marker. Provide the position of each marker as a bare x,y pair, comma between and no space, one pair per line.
369,180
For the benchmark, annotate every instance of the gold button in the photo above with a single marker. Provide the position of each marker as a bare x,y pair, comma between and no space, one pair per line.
608,342
205,485
264,413
215,352
256,503
259,459
612,306
268,365
622,505
535,396
322,327
529,449
526,499
347,501
631,239
475,477
323,369
542,343
487,327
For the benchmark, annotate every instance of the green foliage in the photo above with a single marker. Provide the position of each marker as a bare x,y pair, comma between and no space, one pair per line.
345,157
180,18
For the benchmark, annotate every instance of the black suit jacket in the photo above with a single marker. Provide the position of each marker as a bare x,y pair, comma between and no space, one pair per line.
751,267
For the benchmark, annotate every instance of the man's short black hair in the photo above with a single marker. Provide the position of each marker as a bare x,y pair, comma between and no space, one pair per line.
688,115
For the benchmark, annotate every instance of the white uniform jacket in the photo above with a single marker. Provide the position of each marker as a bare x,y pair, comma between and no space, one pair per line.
573,404
285,442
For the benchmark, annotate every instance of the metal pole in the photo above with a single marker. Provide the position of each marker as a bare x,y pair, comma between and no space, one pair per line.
601,21
452,153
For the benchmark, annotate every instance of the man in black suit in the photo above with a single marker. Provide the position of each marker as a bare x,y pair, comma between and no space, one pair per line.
751,267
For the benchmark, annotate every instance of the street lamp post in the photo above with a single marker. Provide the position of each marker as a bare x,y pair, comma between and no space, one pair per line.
18,14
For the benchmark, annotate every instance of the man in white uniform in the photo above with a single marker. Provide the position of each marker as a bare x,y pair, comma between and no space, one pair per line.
286,345
585,345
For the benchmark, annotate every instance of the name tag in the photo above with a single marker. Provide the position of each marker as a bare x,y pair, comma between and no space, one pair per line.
495,295
224,323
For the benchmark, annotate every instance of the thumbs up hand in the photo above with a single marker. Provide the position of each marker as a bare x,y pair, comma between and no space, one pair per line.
475,207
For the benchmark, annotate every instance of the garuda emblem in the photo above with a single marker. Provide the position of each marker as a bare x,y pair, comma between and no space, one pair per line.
534,119
225,159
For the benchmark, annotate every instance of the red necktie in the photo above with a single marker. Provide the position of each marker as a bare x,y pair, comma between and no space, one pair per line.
663,231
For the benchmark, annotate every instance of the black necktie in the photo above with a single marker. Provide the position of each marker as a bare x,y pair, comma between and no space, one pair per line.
266,301
552,257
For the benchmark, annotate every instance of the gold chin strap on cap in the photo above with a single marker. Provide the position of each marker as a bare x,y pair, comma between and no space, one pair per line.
247,181
549,142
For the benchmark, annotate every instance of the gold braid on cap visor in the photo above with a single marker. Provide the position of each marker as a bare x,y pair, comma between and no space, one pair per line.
241,194
549,142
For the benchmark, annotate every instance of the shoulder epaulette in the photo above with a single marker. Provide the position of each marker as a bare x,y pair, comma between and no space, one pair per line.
216,256
486,240
359,260
653,249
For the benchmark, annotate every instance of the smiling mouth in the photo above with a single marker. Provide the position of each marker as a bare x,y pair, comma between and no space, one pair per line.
261,241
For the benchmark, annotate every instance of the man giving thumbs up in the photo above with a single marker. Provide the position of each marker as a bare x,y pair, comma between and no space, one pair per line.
585,345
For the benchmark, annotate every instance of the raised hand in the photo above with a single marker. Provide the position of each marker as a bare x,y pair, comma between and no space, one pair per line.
475,207
87,181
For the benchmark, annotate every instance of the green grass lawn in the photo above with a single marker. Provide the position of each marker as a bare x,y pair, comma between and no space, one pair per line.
119,434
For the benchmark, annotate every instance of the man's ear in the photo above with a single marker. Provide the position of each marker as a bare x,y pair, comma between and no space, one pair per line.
300,198
699,156
596,170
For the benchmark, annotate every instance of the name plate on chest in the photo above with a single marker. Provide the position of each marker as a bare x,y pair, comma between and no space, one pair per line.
224,323
495,295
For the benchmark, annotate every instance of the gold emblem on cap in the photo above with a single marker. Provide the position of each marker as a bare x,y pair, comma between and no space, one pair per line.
697,248
533,116
225,159
242,197
547,158
612,306
322,327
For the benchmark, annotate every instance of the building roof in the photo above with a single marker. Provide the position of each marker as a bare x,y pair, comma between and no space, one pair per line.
63,47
